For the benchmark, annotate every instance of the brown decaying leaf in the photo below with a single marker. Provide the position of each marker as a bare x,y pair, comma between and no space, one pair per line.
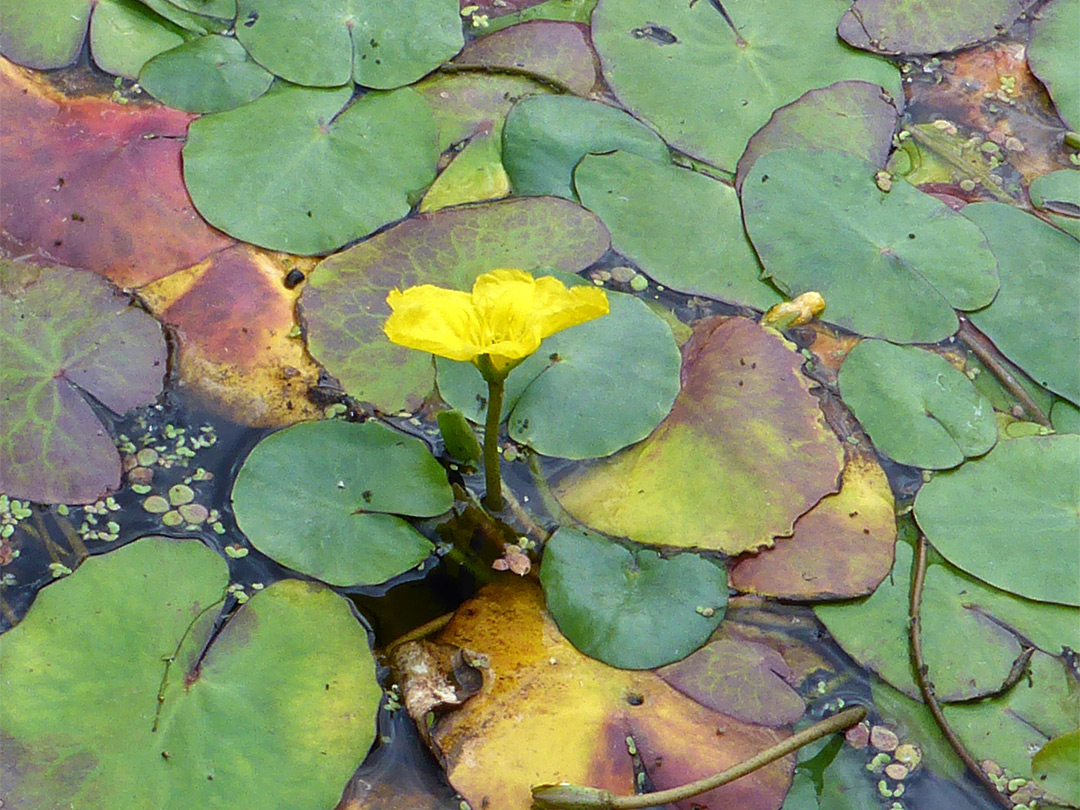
93,184
546,713
232,315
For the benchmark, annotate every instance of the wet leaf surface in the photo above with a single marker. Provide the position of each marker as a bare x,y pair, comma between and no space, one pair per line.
511,735
545,138
323,498
570,398
377,45
995,625
1037,264
68,336
318,170
912,27
660,62
841,548
557,51
1027,488
704,251
917,407
137,226
344,303
632,608
897,272
698,483
281,705
852,116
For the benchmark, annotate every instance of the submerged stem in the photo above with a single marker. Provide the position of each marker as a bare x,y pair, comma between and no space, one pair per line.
493,498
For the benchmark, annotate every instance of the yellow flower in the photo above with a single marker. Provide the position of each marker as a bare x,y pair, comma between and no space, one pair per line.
505,317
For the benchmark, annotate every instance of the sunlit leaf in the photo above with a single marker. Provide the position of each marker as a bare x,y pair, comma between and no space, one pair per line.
743,453
323,498
67,336
1012,518
896,273
280,704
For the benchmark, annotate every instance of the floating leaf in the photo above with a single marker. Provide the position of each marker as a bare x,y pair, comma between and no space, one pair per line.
889,27
854,117
344,302
1010,728
1052,56
743,453
1065,417
749,681
557,51
125,35
323,497
1054,767
702,248
513,735
1057,195
992,623
1038,275
65,336
706,85
313,170
570,398
898,275
231,319
918,408
545,138
330,43
94,184
206,75
24,40
280,704
632,609
1011,518
841,548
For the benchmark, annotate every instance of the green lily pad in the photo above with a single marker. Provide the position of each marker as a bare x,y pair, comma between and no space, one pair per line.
570,398
206,75
503,16
918,408
707,86
344,300
743,453
896,272
746,680
125,35
632,609
701,248
330,43
1011,519
555,50
1035,319
323,498
305,171
891,27
1010,728
854,117
873,630
1054,767
1065,417
1057,195
545,137
1052,56
281,705
66,335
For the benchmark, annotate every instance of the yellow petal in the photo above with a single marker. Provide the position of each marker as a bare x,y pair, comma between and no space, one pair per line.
556,308
431,319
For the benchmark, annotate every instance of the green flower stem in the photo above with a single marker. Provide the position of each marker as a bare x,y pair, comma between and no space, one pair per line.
575,797
493,498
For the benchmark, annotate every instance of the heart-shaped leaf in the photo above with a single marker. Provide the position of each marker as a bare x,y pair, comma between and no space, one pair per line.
208,74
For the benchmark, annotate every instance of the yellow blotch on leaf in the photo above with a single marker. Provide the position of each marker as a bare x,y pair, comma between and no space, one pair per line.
798,311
